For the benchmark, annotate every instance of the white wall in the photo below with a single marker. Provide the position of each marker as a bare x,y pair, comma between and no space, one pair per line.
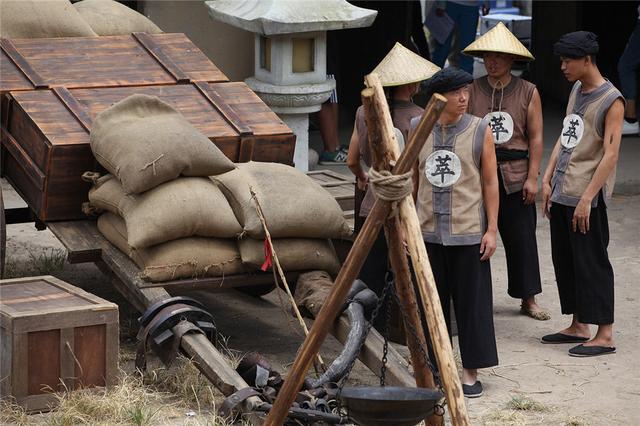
231,49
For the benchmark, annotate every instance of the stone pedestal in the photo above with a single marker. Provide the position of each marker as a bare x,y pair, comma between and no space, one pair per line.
290,54
294,103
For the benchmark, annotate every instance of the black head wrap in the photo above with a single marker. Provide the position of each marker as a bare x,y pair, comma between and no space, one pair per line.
447,80
576,45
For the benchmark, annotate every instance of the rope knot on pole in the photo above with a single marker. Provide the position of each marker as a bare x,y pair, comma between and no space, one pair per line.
389,187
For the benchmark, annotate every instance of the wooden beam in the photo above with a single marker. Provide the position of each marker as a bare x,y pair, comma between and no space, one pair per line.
348,273
384,151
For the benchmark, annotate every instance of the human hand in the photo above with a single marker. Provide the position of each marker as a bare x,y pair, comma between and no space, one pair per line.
546,199
361,181
488,245
581,215
529,191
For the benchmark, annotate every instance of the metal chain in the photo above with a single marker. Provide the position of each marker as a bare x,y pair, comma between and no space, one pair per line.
423,352
438,408
374,315
387,330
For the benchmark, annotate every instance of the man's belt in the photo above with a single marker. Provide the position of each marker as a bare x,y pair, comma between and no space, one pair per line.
503,154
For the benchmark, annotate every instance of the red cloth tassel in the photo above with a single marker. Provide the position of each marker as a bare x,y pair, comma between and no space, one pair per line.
267,256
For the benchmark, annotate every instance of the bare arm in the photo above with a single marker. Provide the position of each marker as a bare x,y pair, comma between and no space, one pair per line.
353,160
611,145
546,179
534,131
490,194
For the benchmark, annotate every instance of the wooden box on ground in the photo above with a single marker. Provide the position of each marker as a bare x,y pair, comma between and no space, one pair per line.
54,336
47,137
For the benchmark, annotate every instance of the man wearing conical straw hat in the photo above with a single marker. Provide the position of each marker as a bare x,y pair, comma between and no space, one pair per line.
513,109
400,72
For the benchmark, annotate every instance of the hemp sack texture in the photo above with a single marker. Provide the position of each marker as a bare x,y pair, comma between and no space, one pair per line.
41,19
184,207
294,206
294,254
184,258
145,142
108,17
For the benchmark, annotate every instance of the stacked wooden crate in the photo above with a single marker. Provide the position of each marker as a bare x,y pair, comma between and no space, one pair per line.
52,89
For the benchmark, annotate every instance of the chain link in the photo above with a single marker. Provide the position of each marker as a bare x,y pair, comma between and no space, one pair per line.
374,315
438,409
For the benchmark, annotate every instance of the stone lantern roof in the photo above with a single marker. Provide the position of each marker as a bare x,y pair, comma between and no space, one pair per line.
276,17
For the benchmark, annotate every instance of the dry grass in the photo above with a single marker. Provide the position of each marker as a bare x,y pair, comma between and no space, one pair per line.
129,402
12,414
185,381
524,403
46,261
503,418
574,421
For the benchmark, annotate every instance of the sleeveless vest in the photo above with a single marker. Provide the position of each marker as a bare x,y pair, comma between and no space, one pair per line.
514,99
450,203
582,139
402,112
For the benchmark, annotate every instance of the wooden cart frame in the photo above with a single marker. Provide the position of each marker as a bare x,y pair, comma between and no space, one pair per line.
85,244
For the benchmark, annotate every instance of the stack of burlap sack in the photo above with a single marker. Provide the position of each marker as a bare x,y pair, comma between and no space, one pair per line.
177,206
60,18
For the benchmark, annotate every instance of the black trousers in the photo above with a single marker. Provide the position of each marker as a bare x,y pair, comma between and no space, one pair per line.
517,225
461,276
583,272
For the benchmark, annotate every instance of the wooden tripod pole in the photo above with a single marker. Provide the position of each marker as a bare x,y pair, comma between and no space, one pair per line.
384,147
427,287
349,271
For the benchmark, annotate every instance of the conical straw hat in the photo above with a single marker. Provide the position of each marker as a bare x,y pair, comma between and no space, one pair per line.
499,39
402,66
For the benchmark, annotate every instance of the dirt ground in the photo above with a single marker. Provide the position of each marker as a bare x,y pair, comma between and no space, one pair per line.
556,389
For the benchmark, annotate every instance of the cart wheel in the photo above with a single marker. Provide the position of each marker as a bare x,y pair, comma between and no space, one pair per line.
3,235
257,290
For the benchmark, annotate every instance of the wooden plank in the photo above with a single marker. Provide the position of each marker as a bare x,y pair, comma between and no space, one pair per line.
67,360
90,353
22,64
74,107
43,356
224,109
31,170
112,353
75,62
163,59
81,239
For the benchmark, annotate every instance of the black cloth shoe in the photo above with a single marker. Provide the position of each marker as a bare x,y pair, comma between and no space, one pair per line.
584,351
556,338
472,391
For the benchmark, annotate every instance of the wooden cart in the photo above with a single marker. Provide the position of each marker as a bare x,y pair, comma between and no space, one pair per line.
51,90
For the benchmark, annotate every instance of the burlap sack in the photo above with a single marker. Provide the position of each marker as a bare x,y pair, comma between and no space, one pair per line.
145,142
108,17
184,258
294,254
293,204
184,207
41,19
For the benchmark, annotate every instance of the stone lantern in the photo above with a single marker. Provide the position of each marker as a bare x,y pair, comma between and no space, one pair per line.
290,54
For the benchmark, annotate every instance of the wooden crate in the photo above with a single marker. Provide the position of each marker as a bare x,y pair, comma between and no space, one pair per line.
47,135
51,334
137,59
340,186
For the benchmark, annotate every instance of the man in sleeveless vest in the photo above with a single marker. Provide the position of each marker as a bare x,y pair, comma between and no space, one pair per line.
457,203
513,109
400,72
576,186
